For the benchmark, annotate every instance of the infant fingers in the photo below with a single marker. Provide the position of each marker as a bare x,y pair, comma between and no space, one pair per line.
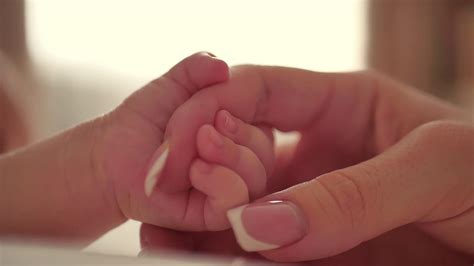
224,190
259,140
216,148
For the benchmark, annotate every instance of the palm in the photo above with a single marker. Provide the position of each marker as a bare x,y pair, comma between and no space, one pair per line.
131,135
128,145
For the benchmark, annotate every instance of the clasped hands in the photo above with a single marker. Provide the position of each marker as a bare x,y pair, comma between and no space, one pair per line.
192,155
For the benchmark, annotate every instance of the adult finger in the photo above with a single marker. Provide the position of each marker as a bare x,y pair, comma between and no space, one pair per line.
377,111
426,178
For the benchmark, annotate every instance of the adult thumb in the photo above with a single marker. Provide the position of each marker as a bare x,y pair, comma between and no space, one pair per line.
425,178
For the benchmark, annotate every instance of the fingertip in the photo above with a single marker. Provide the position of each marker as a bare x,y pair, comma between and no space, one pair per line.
209,141
217,68
198,169
223,190
220,116
226,123
220,70
201,135
204,130
199,71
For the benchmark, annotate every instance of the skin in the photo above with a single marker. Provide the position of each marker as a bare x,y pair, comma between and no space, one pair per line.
231,174
13,130
97,168
369,147
103,162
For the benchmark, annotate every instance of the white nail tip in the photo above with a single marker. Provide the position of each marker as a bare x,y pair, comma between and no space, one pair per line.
153,173
246,241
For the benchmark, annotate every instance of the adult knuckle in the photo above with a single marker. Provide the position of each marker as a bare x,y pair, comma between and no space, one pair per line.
453,141
348,197
445,136
444,151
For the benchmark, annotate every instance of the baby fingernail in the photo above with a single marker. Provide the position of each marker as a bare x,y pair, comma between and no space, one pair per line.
229,123
210,54
216,138
155,170
268,225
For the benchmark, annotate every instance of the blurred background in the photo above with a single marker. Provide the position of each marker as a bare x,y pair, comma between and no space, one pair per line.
65,61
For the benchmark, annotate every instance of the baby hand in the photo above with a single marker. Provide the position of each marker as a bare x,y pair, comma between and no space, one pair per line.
184,174
235,159
231,167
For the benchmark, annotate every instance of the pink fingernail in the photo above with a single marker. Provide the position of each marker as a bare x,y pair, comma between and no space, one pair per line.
216,138
229,123
268,225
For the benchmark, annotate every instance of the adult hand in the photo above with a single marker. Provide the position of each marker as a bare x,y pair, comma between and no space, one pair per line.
377,155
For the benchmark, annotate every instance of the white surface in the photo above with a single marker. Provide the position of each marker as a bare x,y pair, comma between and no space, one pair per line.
124,240
22,255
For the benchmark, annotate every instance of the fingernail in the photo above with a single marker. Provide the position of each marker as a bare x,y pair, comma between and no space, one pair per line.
216,138
268,225
155,169
229,123
210,54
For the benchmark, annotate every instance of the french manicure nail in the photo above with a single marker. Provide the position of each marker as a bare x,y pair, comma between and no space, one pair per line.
155,169
268,225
